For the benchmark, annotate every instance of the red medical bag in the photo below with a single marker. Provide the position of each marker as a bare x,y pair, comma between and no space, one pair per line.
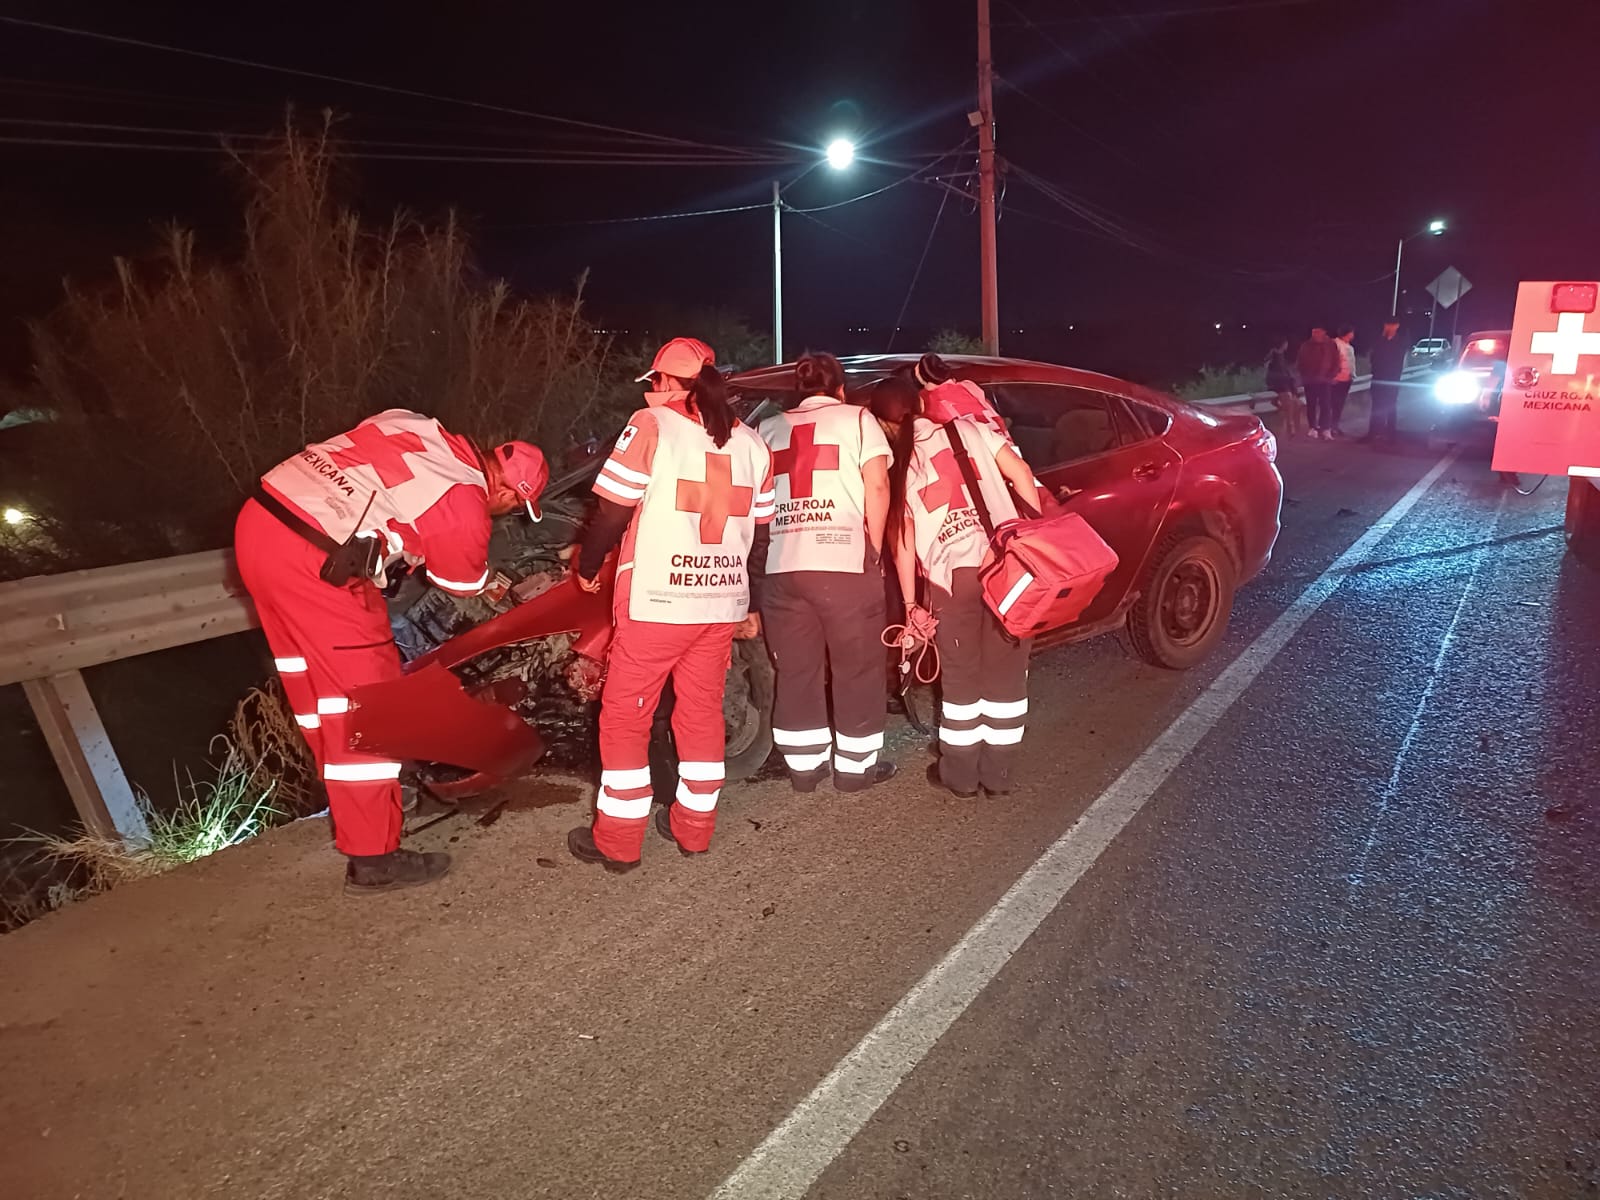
1046,570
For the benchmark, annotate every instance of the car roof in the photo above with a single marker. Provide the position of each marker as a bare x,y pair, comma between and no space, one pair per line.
862,369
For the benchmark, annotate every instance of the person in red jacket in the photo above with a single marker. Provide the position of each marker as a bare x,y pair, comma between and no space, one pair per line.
685,490
315,544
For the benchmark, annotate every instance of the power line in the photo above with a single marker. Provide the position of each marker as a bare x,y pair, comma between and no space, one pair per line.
672,216
388,89
344,145
1070,123
1205,10
917,274
537,159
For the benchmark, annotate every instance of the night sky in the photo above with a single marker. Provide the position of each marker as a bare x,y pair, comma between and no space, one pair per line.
1251,166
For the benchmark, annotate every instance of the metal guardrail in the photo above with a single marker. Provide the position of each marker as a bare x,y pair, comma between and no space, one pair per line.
1361,383
53,626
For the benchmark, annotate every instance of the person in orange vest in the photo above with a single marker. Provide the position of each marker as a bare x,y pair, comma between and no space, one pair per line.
685,490
822,597
314,545
935,532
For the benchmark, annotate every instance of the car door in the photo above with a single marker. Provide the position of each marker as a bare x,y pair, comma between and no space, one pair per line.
1101,459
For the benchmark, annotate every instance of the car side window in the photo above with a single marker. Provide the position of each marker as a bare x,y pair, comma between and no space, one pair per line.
1055,423
1152,421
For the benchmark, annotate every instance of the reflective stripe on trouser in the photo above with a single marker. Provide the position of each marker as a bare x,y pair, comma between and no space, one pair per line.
983,678
325,642
824,626
644,654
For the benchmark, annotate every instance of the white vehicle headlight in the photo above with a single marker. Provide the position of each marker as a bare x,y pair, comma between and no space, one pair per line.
1458,387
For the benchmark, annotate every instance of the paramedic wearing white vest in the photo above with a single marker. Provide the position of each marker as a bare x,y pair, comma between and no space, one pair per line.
688,490
944,398
822,603
936,533
397,489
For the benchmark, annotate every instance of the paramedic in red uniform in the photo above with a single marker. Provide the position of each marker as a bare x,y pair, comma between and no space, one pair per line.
935,532
685,489
315,544
822,599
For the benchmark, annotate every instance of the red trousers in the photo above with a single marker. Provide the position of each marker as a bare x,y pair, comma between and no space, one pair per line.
325,641
643,655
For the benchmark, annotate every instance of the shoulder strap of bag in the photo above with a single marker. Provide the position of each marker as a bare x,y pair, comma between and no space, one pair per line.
969,476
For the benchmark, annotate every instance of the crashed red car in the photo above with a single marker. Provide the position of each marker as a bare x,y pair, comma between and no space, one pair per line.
1188,499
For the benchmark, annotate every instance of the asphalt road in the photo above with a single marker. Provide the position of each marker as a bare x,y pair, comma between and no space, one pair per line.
1330,928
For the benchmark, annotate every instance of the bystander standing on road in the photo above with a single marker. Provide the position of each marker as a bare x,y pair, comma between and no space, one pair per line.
1339,392
1318,362
1281,380
1388,364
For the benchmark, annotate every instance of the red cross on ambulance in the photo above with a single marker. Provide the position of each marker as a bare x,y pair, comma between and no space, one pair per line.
1573,305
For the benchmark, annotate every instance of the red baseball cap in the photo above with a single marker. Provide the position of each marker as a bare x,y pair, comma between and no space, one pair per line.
526,472
682,358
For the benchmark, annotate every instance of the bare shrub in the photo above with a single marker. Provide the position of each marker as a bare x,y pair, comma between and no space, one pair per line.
189,376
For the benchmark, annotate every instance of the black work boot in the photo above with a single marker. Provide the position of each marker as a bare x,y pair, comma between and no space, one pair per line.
369,874
580,842
937,779
881,773
664,828
806,781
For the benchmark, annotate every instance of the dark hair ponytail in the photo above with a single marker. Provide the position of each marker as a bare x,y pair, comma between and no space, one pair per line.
931,371
818,373
896,402
708,398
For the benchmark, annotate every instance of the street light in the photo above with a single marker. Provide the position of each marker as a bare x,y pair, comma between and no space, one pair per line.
1436,228
14,516
839,154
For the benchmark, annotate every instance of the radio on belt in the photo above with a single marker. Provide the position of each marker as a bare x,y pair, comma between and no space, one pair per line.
1550,405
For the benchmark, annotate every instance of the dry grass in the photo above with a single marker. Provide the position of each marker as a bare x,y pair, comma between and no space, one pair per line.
263,775
211,814
194,372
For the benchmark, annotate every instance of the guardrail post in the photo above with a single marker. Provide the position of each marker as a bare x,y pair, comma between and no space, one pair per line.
85,757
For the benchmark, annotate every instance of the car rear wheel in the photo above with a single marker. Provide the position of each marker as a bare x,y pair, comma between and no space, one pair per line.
747,715
1183,607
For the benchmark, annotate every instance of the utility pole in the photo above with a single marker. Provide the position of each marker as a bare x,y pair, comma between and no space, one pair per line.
777,274
986,238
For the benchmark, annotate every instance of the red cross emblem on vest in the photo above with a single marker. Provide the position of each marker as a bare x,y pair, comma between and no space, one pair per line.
717,499
803,459
384,452
947,490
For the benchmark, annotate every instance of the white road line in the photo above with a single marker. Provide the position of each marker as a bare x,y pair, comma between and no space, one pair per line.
794,1155
1392,788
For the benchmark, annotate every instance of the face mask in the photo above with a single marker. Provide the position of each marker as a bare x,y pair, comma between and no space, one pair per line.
656,399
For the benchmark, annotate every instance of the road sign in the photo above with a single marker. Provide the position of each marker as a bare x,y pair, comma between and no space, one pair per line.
1550,403
1449,287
